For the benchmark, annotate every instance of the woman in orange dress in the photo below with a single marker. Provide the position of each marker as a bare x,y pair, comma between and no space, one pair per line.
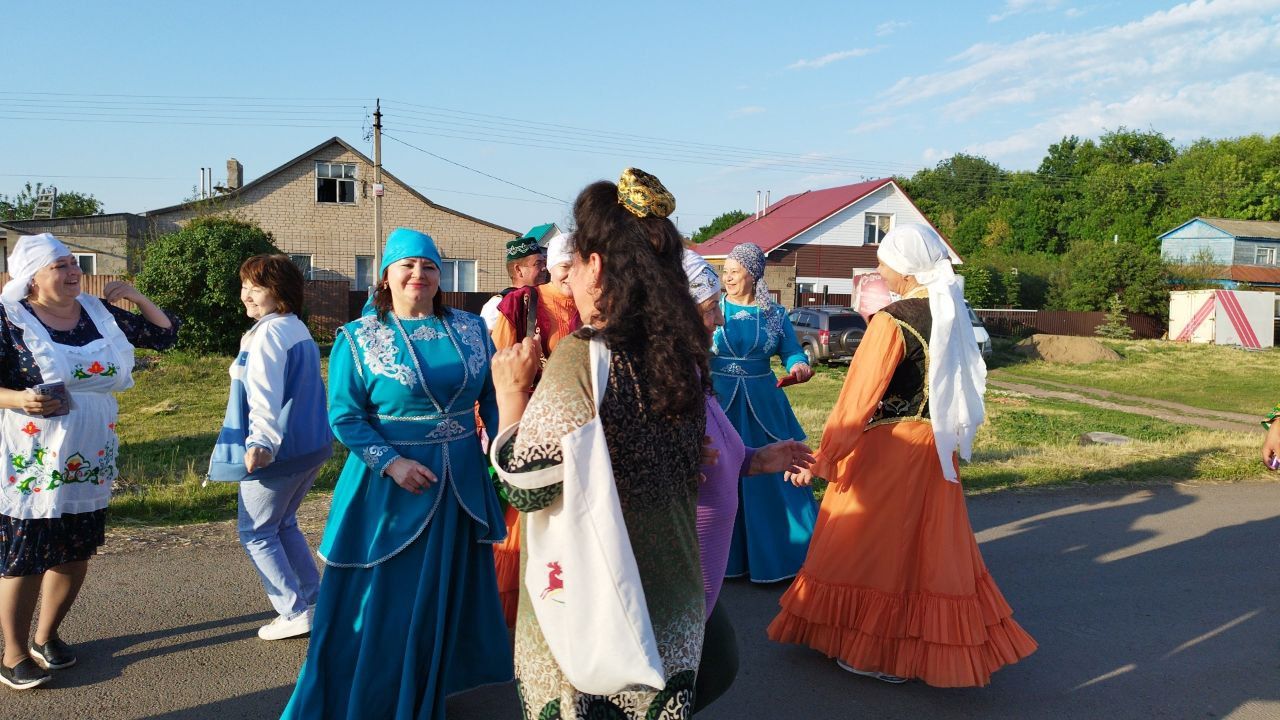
894,586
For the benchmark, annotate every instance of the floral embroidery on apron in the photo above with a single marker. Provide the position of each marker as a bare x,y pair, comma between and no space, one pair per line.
59,465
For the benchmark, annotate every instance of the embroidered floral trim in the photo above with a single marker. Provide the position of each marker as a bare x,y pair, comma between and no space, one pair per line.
372,455
33,473
83,373
1271,416
377,342
734,369
773,328
470,337
741,315
447,429
427,333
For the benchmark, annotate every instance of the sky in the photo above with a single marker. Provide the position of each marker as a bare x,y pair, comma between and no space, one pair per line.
505,110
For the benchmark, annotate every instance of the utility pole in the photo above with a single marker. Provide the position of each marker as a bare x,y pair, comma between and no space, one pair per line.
377,191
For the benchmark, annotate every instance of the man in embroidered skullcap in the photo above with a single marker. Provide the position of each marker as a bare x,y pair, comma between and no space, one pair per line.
526,266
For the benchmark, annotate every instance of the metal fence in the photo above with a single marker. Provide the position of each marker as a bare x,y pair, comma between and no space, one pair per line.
1016,323
808,299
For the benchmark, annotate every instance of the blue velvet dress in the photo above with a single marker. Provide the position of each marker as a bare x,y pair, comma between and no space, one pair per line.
775,518
408,611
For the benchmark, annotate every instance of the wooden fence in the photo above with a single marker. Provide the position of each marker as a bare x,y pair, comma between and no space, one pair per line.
1015,323
92,285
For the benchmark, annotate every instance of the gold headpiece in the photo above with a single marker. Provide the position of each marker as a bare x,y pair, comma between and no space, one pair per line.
644,194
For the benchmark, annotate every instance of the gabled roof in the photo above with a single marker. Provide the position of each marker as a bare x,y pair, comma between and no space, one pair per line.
794,214
1252,229
540,231
331,141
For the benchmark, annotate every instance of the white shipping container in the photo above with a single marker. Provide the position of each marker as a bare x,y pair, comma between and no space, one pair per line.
1223,317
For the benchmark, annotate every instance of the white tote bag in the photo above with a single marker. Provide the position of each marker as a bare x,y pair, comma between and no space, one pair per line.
581,573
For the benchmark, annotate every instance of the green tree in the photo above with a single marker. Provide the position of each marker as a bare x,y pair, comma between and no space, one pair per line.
70,203
980,285
719,225
1095,271
195,273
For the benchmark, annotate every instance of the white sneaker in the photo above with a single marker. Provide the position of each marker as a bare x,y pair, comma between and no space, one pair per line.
882,677
283,627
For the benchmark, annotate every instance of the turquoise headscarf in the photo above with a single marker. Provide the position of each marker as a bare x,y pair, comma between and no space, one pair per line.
403,243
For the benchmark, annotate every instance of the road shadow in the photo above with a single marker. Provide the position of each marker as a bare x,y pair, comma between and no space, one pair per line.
259,705
107,658
1145,601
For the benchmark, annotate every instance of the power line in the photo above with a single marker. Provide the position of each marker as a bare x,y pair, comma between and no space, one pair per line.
478,172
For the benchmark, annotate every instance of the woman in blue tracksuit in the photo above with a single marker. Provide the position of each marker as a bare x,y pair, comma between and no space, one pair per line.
274,439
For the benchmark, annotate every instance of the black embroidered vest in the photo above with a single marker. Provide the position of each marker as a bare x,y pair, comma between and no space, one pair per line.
907,397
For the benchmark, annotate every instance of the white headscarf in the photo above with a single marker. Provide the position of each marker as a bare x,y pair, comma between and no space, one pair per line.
558,250
30,254
704,283
957,375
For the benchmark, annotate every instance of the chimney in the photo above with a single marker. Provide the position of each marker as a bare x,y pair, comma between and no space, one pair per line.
767,193
757,204
235,174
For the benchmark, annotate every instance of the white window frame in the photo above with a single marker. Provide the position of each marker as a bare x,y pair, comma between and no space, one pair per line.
93,262
310,271
867,223
355,175
357,279
1264,256
450,270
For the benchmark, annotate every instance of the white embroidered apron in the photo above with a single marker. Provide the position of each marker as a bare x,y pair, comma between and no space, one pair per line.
60,465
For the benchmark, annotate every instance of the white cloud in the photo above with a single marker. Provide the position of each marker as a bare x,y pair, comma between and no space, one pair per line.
1246,103
1074,12
931,156
1018,7
890,27
748,110
872,125
1192,40
830,58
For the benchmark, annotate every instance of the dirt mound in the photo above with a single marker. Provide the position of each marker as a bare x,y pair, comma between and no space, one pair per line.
1065,349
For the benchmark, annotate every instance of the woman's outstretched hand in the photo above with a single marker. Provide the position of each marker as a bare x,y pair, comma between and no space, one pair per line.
1271,447
782,456
800,373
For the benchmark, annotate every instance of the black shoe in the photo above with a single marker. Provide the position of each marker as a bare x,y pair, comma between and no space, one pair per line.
53,655
26,674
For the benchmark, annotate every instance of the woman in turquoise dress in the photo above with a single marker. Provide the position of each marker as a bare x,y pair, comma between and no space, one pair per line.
408,610
775,519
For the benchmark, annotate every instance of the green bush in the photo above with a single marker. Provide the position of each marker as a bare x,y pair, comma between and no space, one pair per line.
194,273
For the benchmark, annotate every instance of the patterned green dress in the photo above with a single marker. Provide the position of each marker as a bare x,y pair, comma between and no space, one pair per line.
655,464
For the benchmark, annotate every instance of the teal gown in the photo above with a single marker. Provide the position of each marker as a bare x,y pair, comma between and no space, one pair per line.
408,611
775,518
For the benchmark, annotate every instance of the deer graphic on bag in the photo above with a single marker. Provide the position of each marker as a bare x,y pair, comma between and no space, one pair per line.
555,585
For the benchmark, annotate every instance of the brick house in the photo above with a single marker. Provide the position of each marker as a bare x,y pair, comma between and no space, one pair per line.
820,239
319,209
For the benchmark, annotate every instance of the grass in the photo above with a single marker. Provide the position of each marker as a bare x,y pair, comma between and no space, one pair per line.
168,424
1213,377
1033,442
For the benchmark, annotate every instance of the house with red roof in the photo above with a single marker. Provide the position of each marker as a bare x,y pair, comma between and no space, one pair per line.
826,236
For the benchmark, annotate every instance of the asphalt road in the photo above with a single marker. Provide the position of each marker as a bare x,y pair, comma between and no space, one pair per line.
1147,602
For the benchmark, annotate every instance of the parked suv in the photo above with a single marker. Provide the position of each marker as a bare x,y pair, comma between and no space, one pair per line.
828,333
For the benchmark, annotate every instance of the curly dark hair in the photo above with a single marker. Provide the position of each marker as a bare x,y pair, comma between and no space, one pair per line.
644,298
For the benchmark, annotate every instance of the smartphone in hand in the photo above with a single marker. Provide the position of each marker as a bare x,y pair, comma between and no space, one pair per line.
57,390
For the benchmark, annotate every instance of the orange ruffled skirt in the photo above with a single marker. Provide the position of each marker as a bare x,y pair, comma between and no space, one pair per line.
506,561
894,581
